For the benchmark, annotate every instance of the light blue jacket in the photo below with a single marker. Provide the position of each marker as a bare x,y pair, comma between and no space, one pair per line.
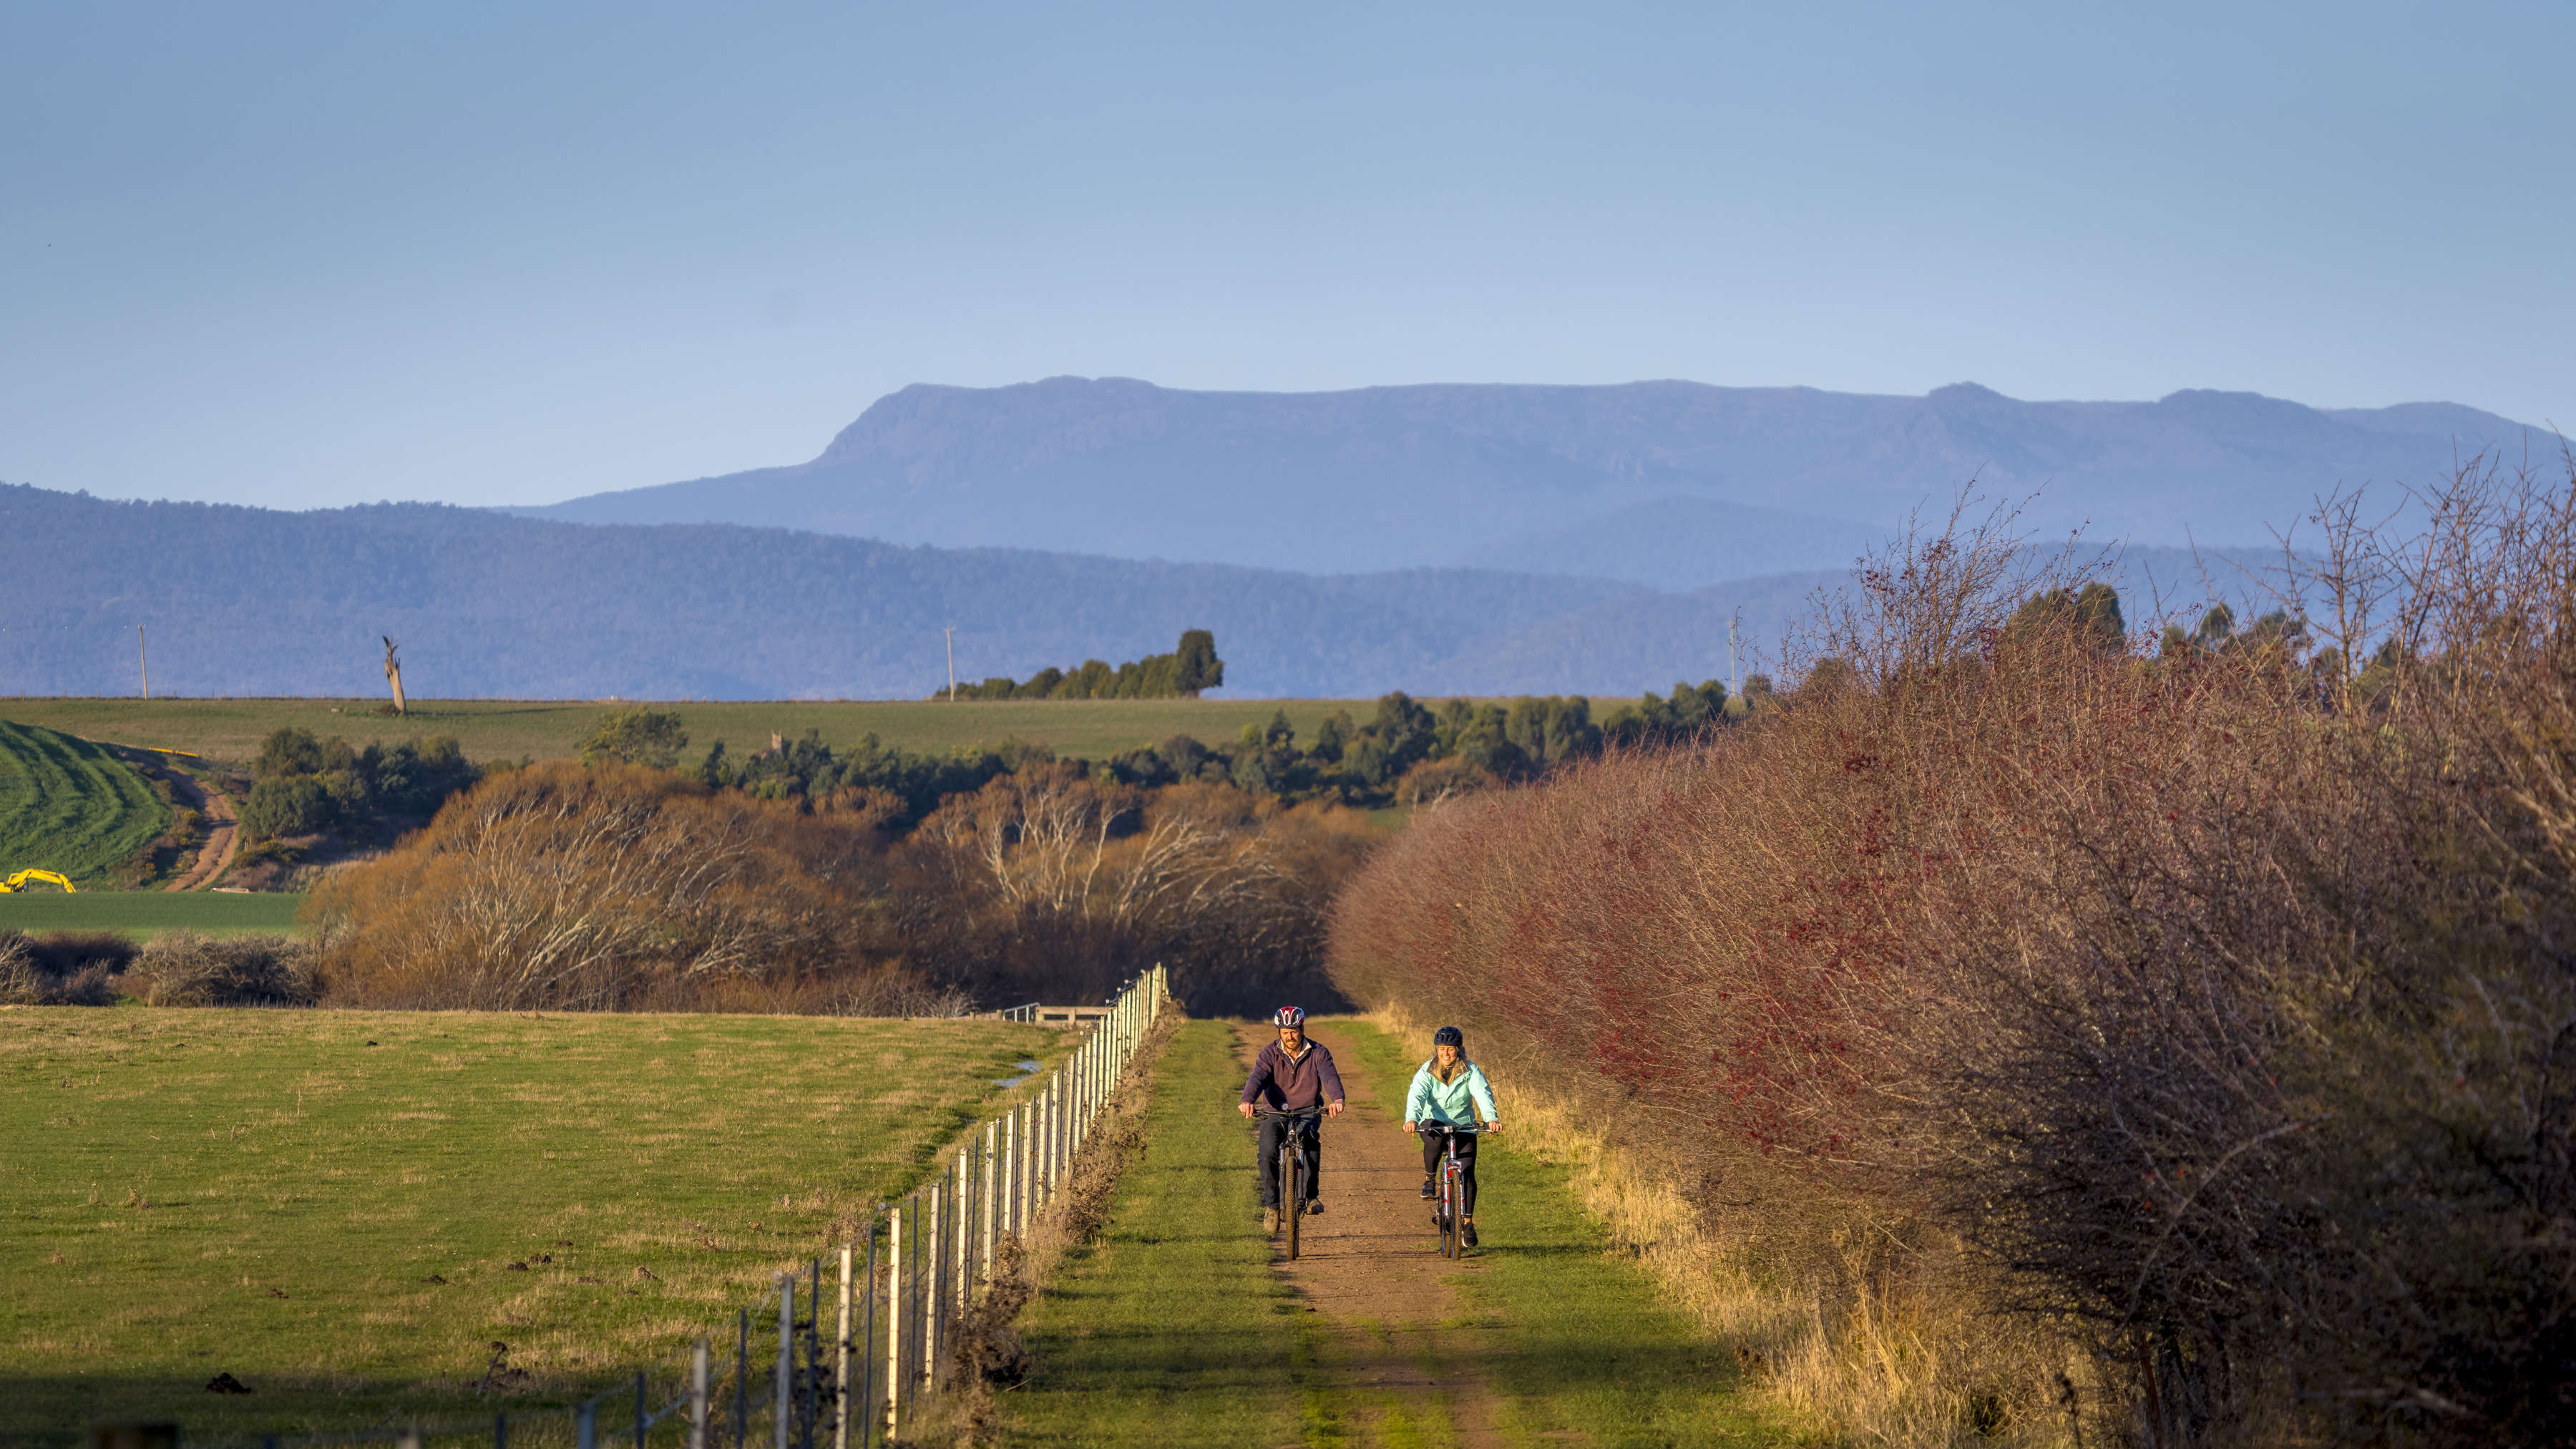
1432,1100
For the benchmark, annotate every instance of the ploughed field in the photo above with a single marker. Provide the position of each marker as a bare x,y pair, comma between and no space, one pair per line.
346,1211
231,730
68,806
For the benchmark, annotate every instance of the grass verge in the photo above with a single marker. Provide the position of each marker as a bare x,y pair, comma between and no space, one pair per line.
145,914
1573,1337
1171,1328
67,805
346,1210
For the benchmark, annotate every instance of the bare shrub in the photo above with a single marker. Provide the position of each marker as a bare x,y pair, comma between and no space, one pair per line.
20,983
622,888
2206,1010
182,968
61,969
609,888
1050,880
68,953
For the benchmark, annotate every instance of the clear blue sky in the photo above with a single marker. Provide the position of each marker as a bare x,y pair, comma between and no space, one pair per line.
300,256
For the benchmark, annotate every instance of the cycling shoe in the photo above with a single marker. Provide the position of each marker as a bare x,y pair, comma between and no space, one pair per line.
1429,1190
1314,1204
1467,1234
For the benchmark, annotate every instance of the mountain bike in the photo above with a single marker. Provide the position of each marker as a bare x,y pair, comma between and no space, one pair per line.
1448,1214
1297,1148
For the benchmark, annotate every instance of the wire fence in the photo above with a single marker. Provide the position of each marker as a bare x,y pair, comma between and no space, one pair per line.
901,1292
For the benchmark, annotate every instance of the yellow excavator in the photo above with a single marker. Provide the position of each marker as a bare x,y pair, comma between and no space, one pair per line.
26,878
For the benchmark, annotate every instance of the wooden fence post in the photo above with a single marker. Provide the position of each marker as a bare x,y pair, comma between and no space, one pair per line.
841,1354
927,1280
699,1377
783,1383
962,1253
894,1323
992,1172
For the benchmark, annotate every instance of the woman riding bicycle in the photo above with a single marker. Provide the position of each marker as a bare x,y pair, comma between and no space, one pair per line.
1292,1075
1451,1091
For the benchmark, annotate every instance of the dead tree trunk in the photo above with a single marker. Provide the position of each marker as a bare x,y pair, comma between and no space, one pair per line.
393,676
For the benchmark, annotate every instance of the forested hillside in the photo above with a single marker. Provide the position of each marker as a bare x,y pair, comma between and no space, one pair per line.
247,601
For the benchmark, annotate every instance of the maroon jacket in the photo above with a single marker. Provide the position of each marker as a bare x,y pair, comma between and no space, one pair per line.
1286,1086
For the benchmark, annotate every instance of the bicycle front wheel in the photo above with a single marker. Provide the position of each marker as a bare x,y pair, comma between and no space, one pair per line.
1292,1193
1448,1214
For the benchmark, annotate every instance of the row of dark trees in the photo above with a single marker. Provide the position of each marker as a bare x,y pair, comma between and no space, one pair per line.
1192,666
1406,752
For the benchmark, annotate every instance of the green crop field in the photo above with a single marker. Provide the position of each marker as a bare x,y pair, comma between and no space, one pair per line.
66,805
144,914
346,1211
230,730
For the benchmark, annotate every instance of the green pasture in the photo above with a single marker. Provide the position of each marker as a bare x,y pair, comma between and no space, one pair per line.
346,1211
66,805
145,914
230,730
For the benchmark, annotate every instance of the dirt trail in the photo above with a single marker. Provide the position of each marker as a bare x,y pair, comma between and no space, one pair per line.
223,827
1371,1265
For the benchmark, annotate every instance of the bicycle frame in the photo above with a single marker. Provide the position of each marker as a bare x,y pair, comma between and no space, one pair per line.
1453,1190
1295,1168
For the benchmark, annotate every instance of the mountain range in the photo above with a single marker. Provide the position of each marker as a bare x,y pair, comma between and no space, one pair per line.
1452,539
1674,485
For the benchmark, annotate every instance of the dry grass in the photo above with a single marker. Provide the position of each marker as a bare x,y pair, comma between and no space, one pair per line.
1896,1363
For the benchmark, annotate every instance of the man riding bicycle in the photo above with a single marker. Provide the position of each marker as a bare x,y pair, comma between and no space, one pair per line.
1451,1091
1292,1074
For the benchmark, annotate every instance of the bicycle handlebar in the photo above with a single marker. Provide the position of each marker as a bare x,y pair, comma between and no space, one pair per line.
1300,1114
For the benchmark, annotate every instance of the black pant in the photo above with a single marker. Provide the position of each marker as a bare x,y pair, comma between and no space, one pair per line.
1272,1127
1434,1149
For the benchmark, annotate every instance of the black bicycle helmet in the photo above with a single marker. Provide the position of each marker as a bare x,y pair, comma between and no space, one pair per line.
1449,1036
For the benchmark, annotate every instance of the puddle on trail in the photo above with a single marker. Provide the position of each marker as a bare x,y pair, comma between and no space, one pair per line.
1026,1067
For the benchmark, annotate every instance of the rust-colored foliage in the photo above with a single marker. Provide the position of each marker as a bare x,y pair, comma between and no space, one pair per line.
2216,1000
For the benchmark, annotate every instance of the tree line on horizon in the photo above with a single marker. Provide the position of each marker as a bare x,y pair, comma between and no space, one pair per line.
1192,666
1406,753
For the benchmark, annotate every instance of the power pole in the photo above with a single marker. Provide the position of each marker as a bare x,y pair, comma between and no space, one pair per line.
143,656
952,663
1734,674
